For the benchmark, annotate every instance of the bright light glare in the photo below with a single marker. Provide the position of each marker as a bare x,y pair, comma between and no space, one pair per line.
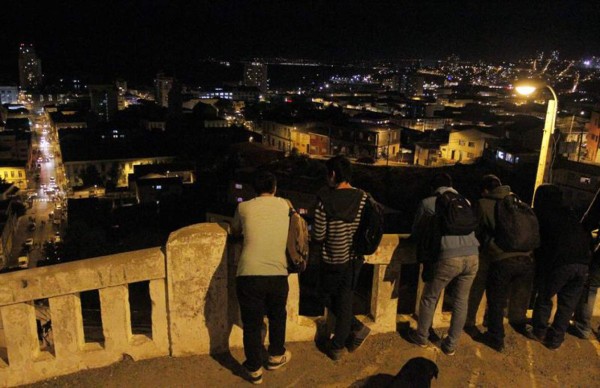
525,89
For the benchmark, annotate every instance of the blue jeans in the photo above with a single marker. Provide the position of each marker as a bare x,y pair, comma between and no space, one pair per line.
583,313
567,283
464,269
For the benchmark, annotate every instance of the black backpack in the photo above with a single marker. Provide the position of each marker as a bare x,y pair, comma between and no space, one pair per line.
457,216
517,227
370,229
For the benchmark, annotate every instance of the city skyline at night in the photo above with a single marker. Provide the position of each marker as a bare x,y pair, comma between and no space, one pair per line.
132,38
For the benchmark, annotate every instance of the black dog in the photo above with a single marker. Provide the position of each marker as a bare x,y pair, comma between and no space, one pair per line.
416,373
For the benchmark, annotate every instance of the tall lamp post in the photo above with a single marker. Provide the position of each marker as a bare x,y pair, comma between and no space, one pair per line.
542,174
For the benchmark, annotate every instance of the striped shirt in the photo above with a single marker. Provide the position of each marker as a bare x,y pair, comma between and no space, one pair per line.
337,235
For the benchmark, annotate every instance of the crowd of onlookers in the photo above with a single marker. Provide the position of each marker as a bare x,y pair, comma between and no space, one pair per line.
497,245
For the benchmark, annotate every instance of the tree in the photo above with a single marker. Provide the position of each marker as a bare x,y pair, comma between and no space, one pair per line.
90,176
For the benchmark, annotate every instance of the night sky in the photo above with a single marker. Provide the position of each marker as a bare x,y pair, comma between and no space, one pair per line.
135,38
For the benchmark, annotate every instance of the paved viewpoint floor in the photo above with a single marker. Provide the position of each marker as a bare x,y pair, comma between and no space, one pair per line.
523,364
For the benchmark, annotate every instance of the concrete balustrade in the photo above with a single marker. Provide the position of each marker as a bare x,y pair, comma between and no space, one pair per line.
194,308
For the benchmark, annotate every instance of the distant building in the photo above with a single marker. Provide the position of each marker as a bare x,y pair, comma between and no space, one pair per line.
243,93
163,85
121,91
578,181
15,145
427,154
366,140
152,182
593,138
423,124
111,159
8,94
64,120
416,85
8,225
14,172
255,75
30,68
466,145
104,101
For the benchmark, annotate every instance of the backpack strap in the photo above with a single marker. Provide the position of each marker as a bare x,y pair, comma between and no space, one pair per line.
292,210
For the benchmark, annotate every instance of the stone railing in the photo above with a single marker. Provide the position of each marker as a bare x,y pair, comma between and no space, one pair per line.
194,308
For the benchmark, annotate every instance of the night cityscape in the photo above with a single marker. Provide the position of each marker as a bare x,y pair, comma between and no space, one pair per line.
124,125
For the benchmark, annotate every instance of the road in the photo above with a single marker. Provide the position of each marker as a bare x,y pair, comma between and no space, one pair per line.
45,196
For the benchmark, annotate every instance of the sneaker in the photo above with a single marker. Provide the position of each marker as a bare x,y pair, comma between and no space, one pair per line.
472,331
448,351
255,377
276,362
574,331
355,340
414,339
333,353
487,339
552,345
533,335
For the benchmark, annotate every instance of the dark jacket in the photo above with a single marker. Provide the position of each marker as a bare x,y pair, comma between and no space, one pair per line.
487,226
563,239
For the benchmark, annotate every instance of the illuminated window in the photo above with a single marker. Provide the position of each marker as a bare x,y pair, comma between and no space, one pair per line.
240,199
471,144
500,154
238,186
585,180
461,142
158,187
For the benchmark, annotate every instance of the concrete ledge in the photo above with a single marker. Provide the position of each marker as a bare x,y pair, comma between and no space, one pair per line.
78,276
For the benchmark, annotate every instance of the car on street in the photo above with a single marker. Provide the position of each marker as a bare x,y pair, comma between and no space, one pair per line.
28,242
31,227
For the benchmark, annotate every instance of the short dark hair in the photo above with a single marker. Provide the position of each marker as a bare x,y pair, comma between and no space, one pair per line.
441,180
489,182
342,168
548,195
264,182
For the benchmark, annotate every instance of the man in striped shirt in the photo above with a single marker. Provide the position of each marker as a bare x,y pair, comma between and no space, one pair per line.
337,217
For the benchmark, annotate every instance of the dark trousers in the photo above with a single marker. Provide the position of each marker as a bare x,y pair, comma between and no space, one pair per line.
567,283
503,273
259,296
337,291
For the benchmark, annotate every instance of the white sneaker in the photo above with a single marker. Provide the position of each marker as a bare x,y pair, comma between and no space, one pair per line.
276,362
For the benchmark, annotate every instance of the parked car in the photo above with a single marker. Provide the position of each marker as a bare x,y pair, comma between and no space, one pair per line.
28,242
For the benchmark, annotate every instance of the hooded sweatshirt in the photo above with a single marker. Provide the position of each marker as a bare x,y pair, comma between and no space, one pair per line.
337,216
487,225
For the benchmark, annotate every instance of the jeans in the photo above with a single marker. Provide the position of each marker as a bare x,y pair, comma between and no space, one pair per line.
336,288
567,282
517,270
477,290
257,296
464,269
584,310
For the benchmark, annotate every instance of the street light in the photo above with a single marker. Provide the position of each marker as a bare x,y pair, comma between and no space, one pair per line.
526,88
